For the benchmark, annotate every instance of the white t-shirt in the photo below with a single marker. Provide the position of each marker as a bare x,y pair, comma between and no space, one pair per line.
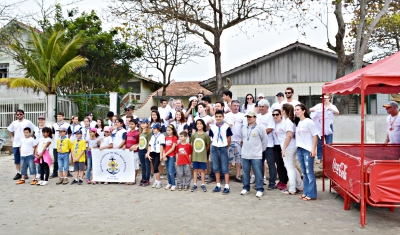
42,143
280,133
219,136
18,128
173,112
237,120
118,136
164,112
156,141
179,126
226,107
305,133
86,134
394,134
56,134
38,133
227,119
266,121
293,102
250,107
92,143
91,124
205,118
74,128
277,105
106,141
27,146
316,116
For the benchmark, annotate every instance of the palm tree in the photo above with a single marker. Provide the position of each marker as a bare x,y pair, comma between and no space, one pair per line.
47,60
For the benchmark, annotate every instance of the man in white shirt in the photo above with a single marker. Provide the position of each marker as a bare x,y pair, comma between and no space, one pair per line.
235,156
17,128
392,123
164,111
264,118
178,106
129,113
56,128
227,98
289,92
281,100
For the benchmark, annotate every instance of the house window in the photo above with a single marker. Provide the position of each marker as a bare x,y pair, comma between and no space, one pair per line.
3,70
134,87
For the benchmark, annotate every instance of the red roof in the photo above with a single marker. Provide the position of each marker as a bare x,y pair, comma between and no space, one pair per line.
185,89
380,77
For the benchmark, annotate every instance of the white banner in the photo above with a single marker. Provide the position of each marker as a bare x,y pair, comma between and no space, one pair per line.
113,165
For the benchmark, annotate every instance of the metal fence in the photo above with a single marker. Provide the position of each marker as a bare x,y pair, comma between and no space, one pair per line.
33,108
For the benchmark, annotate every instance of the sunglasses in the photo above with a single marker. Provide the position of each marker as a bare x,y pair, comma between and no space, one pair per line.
249,98
275,114
250,116
19,114
287,93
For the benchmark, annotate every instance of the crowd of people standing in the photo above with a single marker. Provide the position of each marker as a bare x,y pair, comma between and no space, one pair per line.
198,143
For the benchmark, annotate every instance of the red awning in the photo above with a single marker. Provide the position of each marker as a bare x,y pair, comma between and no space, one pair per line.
380,77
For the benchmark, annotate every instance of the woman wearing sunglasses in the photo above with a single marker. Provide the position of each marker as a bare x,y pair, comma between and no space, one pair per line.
248,104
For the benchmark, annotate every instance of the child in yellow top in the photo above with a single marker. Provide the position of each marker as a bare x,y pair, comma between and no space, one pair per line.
78,156
63,149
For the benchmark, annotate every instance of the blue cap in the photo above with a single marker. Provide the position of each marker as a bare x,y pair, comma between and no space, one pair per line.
145,120
78,132
156,125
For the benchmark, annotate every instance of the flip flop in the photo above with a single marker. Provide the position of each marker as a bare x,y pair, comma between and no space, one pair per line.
302,196
308,199
288,193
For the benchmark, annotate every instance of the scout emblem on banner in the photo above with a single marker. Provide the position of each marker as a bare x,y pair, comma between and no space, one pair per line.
199,145
113,165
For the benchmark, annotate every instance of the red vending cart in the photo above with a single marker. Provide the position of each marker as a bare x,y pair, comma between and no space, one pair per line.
360,172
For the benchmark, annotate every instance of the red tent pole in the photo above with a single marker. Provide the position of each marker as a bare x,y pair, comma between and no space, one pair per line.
323,142
363,207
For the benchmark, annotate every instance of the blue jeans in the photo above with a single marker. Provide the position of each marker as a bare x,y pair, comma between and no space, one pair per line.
220,159
171,170
269,156
17,155
257,165
63,162
307,169
89,167
328,140
145,165
27,161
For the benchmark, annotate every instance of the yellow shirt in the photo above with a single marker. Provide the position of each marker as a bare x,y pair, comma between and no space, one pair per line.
64,146
77,148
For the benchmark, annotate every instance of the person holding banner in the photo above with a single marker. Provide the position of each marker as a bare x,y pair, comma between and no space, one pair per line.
119,134
156,147
144,139
92,143
105,142
132,143
78,155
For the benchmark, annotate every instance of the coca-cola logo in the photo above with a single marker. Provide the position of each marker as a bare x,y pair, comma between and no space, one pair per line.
339,169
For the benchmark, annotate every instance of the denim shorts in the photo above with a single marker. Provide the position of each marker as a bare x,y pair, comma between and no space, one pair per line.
220,159
17,155
63,161
28,162
199,165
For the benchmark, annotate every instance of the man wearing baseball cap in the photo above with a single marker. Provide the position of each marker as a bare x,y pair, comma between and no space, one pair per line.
129,112
392,123
281,100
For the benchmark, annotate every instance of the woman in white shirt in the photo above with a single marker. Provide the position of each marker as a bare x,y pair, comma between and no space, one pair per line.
248,104
316,116
284,131
306,142
180,122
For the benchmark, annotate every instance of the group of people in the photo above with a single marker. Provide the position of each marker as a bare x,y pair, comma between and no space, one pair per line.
199,143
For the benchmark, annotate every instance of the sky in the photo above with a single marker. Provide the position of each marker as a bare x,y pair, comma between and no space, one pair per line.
237,48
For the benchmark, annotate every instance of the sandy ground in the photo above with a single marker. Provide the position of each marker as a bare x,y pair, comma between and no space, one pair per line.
121,209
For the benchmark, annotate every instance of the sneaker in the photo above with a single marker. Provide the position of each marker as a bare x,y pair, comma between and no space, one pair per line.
154,184
94,182
60,181
88,181
186,188
37,175
141,183
17,176
252,179
34,182
53,176
179,188
210,180
69,175
168,186
198,177
271,187
26,177
194,188
259,194
207,177
80,182
74,182
203,187
161,176
44,183
151,175
147,183
283,186
216,189
159,185
265,181
65,181
21,181
244,192
238,179
173,188
39,183
226,191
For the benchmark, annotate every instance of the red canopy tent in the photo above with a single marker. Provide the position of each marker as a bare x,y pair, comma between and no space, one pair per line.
380,77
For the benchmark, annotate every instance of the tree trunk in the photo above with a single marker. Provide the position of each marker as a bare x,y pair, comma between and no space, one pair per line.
218,70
